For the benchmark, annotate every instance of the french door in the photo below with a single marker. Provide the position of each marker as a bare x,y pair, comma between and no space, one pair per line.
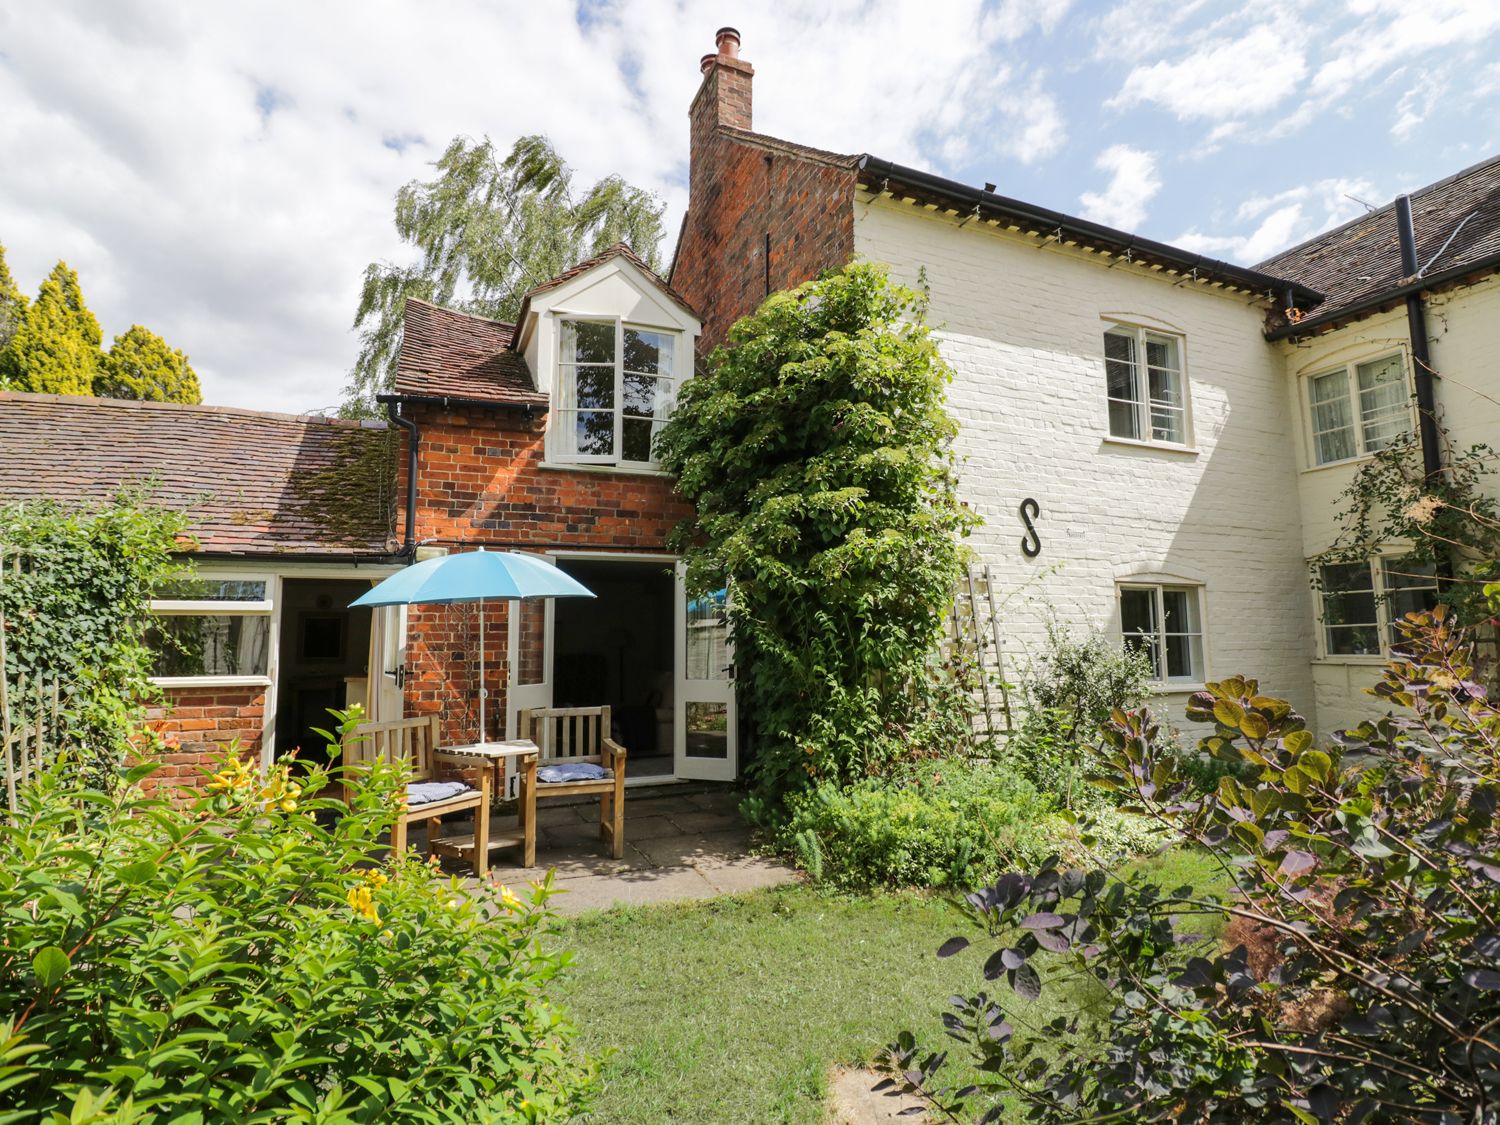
387,671
529,658
706,743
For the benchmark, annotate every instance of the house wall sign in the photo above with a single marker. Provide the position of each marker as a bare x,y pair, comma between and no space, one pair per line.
1031,542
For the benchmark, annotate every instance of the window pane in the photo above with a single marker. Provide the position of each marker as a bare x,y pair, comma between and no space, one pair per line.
1122,384
595,388
1138,623
636,435
1384,415
1350,618
644,396
1161,351
210,645
588,341
594,433
1332,418
648,352
1184,634
707,640
707,730
1410,587
212,590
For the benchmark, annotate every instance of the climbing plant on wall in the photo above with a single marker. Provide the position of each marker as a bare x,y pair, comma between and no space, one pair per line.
817,453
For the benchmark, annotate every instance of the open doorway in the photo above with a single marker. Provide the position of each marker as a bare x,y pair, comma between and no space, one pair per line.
616,649
322,660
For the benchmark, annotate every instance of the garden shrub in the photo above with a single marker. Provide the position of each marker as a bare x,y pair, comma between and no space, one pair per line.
817,453
939,823
242,958
1371,889
77,607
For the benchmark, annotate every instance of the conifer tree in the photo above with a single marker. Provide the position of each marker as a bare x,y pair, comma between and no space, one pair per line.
56,348
141,365
12,313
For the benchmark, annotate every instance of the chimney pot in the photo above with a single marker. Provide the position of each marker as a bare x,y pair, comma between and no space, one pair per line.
705,62
727,40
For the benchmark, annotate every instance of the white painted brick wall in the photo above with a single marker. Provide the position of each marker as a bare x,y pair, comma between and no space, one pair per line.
1023,329
1464,329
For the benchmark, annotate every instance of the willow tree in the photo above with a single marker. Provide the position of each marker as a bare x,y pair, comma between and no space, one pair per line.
817,452
486,230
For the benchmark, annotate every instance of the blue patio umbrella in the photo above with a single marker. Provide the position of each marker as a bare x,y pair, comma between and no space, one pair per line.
475,576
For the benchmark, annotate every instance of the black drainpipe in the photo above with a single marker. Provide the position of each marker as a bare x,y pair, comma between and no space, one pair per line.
413,439
1416,323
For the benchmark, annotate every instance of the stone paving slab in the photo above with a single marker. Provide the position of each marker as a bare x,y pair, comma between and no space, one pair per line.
678,845
851,1102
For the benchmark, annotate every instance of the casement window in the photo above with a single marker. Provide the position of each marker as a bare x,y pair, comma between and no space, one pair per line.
211,629
1145,385
1360,602
1359,409
1166,623
615,391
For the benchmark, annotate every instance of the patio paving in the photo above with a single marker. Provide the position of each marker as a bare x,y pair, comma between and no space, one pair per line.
681,842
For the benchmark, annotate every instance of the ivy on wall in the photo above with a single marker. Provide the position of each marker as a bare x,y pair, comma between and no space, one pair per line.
75,590
818,455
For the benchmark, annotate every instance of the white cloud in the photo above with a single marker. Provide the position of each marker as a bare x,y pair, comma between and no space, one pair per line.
1394,31
1132,185
1221,78
1284,219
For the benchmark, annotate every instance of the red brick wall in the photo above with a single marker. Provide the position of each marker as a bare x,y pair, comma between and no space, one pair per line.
202,722
480,483
744,197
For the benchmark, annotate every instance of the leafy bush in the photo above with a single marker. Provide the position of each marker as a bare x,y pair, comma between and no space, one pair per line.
817,453
241,959
946,822
76,609
1076,683
1364,979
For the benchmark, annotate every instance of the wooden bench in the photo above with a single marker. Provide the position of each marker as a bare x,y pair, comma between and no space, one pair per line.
414,744
568,735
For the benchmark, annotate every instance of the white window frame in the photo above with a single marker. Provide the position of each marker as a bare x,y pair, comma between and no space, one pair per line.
1142,407
189,607
558,455
1384,622
1158,590
1350,371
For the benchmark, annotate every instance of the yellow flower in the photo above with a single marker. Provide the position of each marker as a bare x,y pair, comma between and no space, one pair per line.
362,901
508,898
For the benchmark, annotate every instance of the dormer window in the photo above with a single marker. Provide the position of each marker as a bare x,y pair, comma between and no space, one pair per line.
614,392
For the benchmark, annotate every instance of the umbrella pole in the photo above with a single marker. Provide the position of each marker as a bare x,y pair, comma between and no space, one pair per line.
482,690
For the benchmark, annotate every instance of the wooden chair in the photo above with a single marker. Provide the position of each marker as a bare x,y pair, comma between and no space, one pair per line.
414,743
565,735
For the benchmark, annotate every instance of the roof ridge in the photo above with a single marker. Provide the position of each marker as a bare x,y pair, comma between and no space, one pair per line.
97,402
750,136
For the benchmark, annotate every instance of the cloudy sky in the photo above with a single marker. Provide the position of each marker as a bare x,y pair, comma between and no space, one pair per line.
223,172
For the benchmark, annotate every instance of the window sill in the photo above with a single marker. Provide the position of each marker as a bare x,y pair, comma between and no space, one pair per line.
588,467
1360,661
211,681
1177,687
1160,446
1342,463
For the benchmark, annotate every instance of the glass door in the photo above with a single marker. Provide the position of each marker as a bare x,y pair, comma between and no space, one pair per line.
706,744
387,671
529,658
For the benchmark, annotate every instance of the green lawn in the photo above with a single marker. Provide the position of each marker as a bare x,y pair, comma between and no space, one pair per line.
733,1010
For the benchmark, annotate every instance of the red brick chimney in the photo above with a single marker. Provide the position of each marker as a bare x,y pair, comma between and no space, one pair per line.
724,97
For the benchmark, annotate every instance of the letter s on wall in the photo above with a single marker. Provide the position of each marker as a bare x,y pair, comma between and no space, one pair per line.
1031,542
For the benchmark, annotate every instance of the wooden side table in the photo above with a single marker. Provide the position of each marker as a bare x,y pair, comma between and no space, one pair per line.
497,754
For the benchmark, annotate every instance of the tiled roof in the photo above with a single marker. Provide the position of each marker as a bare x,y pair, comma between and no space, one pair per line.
1357,262
618,250
252,483
460,355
